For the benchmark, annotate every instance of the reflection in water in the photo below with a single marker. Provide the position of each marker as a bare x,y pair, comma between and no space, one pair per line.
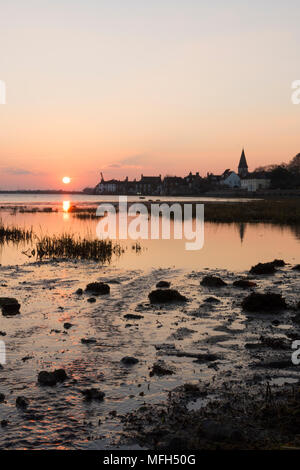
66,206
242,227
222,243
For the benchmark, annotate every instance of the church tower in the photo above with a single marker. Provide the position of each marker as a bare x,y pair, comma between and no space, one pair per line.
243,167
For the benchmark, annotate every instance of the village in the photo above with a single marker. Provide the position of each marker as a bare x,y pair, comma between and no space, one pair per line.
193,184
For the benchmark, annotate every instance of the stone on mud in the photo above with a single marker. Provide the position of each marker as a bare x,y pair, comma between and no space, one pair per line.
264,302
160,296
22,402
297,267
212,281
163,284
9,306
93,394
52,378
263,268
98,288
244,283
160,368
129,360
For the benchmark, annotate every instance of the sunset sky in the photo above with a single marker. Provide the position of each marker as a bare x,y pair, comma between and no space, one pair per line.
155,87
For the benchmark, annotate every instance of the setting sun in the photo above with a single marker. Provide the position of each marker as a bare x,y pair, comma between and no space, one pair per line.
66,180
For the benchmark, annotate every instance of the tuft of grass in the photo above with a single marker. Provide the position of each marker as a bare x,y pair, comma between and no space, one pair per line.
66,246
14,234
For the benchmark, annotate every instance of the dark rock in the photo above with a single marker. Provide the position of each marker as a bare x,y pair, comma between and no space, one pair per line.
128,360
212,281
88,340
160,368
52,378
93,394
4,423
67,325
212,300
9,306
278,263
79,292
265,302
91,300
98,288
296,318
131,316
160,296
2,333
2,397
206,357
163,284
22,402
244,283
297,267
263,268
274,342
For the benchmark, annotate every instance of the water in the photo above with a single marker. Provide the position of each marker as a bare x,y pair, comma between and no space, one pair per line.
36,340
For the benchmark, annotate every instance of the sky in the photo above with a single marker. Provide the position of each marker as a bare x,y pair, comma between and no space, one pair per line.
155,87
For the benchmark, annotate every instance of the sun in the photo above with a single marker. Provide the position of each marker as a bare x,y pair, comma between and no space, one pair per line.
66,180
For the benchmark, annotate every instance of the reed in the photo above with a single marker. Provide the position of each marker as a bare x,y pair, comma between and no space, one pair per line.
68,246
14,234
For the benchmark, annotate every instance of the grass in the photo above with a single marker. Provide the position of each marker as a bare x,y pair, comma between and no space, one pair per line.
273,211
67,246
14,234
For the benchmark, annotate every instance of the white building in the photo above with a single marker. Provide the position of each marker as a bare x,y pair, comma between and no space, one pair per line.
253,183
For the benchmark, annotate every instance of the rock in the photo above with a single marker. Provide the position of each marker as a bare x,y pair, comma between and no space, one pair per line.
263,268
296,318
9,306
275,342
160,296
297,267
191,389
22,402
160,368
67,325
266,302
129,361
244,283
2,397
98,288
212,300
278,263
2,333
91,300
79,292
4,423
88,340
212,281
163,284
93,394
131,316
52,378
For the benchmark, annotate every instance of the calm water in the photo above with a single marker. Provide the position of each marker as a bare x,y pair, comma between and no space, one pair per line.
229,246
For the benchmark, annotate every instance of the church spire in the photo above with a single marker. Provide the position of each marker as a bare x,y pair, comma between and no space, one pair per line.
243,167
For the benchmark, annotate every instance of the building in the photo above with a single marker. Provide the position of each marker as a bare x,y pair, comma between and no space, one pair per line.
255,182
230,179
243,166
149,185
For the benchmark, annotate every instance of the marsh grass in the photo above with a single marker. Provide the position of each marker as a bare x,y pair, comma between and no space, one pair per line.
11,233
68,246
283,211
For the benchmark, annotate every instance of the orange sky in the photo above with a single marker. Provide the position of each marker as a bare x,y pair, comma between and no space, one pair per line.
147,87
